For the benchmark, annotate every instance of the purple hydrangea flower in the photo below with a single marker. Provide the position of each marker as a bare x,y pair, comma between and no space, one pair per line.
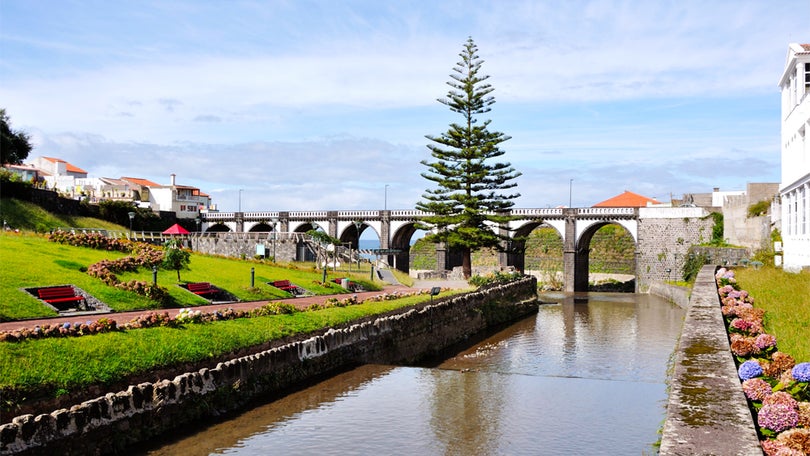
756,389
801,372
750,369
778,417
764,341
66,326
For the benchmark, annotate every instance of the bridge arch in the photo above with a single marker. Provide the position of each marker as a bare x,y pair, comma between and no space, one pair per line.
303,227
585,235
522,242
260,227
401,240
218,228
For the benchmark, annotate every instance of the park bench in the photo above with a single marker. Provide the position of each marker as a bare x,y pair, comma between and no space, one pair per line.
202,288
351,286
61,294
285,285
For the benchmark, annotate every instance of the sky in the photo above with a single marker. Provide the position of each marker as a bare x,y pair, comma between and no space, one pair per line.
325,105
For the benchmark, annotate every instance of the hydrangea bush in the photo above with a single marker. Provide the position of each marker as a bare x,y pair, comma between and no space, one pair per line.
778,389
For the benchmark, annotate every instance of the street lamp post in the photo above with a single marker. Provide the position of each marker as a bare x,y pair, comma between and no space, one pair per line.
131,218
385,203
240,200
358,224
570,190
275,222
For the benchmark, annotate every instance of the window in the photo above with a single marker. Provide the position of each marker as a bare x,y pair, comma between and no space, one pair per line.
807,77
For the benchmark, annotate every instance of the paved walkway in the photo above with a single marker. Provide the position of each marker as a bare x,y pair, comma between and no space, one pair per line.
300,303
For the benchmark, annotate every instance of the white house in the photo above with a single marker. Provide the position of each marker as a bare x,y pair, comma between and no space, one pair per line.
183,200
795,186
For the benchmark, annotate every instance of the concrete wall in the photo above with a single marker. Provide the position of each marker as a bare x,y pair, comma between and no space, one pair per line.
113,422
707,412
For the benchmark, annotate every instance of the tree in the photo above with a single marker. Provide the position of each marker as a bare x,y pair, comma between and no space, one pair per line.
14,146
468,183
174,257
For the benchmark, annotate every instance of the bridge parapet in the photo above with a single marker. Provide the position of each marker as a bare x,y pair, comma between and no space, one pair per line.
321,215
359,215
267,215
542,212
607,211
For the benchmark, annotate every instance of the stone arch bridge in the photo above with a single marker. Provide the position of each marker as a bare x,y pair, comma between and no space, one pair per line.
662,235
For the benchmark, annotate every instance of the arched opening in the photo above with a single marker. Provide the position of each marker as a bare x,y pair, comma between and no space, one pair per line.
605,259
404,240
302,250
218,228
261,228
540,249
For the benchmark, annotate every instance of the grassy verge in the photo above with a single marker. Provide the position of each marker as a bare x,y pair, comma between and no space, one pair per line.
30,260
784,297
59,365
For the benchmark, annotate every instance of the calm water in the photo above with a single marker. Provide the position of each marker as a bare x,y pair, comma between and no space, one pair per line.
578,378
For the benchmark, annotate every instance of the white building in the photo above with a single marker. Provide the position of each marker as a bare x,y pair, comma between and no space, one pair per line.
795,186
183,200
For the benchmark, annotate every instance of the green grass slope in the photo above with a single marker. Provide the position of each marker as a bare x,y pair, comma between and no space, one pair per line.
30,260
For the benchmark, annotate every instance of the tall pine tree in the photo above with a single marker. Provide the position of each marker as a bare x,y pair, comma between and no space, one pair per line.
466,202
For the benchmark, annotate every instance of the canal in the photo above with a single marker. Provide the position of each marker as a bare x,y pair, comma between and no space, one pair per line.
583,376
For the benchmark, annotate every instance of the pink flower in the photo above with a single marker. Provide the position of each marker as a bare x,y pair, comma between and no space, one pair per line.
765,341
756,389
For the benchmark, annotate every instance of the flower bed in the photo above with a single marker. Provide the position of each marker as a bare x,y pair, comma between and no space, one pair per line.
777,388
185,316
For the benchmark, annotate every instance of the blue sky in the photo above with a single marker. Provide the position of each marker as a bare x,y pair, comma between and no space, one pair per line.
312,105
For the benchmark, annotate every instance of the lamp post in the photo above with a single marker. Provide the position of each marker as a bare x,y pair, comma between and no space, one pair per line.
275,222
131,218
199,223
385,203
240,200
570,191
358,224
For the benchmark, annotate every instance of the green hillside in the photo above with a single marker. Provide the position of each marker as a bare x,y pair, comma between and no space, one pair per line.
18,214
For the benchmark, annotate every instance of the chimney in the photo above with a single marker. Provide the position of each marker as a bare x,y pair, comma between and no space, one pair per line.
171,179
716,189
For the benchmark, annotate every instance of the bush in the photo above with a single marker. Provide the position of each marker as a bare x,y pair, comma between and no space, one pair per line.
692,266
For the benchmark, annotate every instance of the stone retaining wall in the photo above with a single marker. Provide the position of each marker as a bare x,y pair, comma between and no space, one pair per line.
111,423
707,412
672,293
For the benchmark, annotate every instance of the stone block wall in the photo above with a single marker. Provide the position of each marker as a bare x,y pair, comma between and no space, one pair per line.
707,412
244,247
114,422
663,245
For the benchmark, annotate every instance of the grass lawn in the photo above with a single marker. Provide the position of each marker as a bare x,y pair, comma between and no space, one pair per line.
55,366
30,260
786,300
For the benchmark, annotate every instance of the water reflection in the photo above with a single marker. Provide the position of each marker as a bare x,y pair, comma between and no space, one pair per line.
579,378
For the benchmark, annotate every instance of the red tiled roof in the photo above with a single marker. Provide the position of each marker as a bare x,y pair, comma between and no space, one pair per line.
141,182
806,47
68,167
627,199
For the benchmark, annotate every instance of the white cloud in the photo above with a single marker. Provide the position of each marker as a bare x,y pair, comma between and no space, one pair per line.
318,105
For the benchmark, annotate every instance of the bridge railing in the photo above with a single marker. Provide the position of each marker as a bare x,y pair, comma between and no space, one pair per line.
412,213
606,211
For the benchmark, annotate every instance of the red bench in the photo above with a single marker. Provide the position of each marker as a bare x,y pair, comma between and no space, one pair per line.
202,288
56,295
286,285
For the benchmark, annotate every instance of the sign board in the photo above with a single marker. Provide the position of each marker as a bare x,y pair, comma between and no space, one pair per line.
260,250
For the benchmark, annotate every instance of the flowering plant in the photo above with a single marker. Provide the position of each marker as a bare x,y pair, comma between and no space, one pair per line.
801,372
750,369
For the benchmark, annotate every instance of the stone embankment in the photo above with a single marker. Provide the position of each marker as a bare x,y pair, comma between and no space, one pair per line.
112,423
707,411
